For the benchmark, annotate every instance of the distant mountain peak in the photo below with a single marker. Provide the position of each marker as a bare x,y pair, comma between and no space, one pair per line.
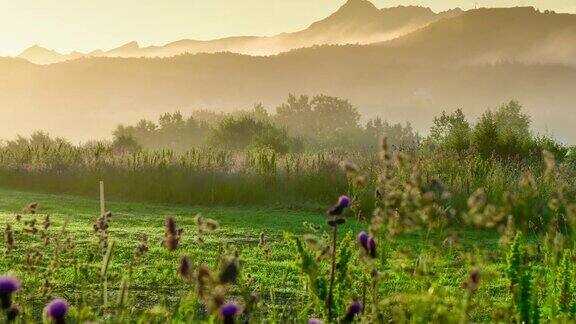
37,49
353,11
124,50
129,46
357,6
359,3
39,54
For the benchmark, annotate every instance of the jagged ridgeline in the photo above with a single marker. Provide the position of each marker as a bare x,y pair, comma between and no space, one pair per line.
357,21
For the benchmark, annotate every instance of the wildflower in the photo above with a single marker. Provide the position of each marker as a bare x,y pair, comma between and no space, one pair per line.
228,311
363,239
171,225
368,243
171,234
230,271
212,225
372,246
9,237
8,286
12,313
33,207
100,228
142,247
185,268
47,222
350,167
314,321
473,279
56,310
354,309
217,297
203,281
384,143
343,203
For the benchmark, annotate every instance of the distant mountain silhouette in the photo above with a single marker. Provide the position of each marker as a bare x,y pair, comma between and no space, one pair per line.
473,61
491,35
357,21
41,55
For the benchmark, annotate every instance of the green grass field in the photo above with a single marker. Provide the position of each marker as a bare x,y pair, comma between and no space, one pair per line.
415,266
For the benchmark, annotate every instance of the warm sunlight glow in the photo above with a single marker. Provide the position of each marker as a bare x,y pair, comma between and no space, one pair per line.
86,25
287,161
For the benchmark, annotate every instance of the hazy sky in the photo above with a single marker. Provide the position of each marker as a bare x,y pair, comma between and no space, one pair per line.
85,25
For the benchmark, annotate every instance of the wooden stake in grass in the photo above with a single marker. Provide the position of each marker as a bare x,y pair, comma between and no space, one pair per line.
102,203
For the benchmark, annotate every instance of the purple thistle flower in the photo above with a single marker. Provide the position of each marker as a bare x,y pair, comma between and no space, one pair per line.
8,286
344,201
314,321
354,309
363,239
228,311
372,246
57,309
338,209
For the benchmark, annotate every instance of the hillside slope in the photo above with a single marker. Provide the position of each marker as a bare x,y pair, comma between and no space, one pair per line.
408,79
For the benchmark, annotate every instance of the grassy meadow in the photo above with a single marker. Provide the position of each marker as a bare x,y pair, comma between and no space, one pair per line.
473,223
355,199
156,281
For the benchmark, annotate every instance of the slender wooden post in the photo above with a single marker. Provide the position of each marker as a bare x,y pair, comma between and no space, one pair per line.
102,203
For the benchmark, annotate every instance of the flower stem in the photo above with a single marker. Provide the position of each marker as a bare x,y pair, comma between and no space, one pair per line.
329,302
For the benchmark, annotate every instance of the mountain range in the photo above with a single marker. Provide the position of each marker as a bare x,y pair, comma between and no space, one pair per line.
356,22
474,60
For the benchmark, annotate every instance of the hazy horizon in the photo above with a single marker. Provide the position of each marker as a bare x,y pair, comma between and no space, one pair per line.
67,26
408,64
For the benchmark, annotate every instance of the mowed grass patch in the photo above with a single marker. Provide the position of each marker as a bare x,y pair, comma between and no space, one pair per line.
155,276
415,266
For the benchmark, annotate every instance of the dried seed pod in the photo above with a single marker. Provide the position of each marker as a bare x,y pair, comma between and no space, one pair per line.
12,313
212,225
9,237
261,240
350,168
32,207
185,269
473,280
230,271
142,246
203,281
171,234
